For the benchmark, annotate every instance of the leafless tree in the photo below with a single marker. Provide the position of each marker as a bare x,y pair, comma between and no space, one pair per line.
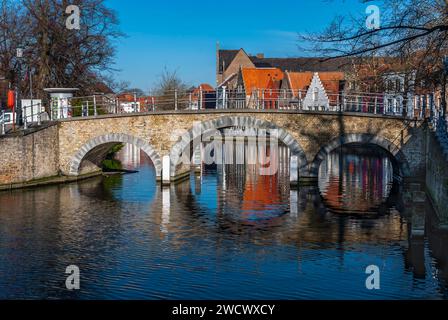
168,82
169,85
414,32
55,55
117,86
12,36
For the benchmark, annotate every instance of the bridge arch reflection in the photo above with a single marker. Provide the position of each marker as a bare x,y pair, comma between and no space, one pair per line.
399,161
183,146
357,180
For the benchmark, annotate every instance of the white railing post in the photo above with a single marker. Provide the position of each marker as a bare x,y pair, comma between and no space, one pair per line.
25,123
39,115
224,97
94,106
3,122
60,110
257,100
282,99
175,99
262,99
200,99
376,105
135,103
32,113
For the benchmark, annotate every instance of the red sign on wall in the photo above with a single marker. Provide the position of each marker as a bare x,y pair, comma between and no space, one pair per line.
11,99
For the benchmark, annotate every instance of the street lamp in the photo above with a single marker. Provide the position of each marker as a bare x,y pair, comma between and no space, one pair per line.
19,55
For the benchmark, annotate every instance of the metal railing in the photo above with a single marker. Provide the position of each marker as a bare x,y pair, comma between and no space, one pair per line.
222,98
31,116
3,122
257,99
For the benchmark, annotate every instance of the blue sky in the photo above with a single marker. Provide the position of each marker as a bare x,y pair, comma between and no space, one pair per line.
182,35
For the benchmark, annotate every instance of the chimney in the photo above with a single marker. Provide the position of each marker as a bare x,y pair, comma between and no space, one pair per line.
260,55
218,79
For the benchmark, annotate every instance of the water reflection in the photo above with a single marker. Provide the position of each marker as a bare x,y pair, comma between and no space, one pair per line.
225,233
243,194
356,180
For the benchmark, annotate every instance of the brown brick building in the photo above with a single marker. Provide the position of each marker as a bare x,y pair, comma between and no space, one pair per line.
229,62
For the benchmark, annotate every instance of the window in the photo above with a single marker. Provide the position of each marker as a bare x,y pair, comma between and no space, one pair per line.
390,85
352,85
315,94
398,85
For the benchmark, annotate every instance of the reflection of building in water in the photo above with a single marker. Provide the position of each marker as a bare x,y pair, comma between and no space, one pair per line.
255,179
355,182
251,209
132,157
129,156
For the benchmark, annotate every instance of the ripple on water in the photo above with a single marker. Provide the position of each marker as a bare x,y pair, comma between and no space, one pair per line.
228,235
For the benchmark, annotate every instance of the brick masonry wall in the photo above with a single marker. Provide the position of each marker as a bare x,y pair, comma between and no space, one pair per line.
29,157
415,151
437,177
61,148
241,60
311,131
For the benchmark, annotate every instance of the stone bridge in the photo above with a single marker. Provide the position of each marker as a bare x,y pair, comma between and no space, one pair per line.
84,142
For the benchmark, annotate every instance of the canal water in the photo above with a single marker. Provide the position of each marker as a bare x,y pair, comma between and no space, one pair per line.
226,233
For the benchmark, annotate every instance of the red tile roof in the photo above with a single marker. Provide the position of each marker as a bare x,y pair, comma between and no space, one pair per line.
299,80
331,81
205,88
268,78
302,80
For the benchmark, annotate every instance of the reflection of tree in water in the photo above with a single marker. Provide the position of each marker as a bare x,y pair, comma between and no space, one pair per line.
101,187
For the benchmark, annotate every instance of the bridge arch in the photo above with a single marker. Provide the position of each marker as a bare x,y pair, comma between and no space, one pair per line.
401,165
109,140
236,121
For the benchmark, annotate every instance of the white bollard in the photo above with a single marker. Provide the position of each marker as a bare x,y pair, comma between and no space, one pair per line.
166,174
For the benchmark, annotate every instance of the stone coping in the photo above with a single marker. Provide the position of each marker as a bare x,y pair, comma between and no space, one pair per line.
48,181
235,111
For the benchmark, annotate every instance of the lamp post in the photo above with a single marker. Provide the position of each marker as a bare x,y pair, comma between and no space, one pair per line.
19,55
